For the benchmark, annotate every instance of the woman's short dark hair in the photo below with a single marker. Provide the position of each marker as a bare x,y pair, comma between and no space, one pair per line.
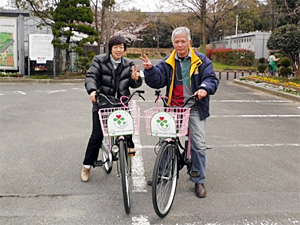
116,40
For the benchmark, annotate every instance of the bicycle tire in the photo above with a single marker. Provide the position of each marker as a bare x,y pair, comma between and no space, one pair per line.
164,179
106,154
124,176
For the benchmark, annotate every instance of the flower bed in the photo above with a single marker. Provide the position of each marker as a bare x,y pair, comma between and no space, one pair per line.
275,84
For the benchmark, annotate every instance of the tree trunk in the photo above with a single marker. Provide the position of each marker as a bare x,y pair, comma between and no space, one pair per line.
203,26
103,9
68,62
297,71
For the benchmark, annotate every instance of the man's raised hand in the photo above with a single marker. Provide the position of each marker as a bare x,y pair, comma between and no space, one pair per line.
146,61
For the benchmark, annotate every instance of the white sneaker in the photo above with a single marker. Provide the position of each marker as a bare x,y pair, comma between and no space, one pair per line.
85,174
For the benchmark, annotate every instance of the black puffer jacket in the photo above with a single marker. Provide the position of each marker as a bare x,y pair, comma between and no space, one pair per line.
102,76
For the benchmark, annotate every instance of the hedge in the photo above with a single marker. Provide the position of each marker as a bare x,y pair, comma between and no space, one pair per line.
228,56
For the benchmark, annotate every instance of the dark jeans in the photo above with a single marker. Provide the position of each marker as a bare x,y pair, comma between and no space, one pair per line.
95,141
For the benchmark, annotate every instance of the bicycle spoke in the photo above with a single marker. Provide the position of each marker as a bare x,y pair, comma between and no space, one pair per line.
165,179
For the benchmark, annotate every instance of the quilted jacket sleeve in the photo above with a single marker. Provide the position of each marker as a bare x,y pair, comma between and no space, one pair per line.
91,76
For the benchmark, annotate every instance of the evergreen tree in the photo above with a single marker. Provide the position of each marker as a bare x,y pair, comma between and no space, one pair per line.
287,39
73,16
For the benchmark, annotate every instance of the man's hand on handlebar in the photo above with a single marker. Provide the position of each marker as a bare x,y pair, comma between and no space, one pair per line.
201,93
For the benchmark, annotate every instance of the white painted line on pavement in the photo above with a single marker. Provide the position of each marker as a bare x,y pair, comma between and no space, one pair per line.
20,92
239,145
251,101
138,170
257,145
254,116
140,220
233,101
78,89
56,91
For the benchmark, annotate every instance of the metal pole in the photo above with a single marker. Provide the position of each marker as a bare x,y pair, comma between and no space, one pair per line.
21,38
54,73
29,67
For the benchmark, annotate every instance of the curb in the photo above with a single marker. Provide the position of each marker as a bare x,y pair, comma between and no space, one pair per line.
38,81
273,92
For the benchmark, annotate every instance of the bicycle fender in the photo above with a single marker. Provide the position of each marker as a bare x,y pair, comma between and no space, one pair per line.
169,140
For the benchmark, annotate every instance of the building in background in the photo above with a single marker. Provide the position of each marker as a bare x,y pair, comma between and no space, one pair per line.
254,41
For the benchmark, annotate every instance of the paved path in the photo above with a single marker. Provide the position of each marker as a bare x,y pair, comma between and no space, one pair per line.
253,174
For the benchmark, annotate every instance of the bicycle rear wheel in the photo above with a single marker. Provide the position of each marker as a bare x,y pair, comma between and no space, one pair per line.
164,179
106,154
124,176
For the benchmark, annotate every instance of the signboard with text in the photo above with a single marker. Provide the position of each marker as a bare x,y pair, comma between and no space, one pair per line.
40,47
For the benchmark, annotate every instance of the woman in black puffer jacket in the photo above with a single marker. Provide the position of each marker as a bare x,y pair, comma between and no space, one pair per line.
111,74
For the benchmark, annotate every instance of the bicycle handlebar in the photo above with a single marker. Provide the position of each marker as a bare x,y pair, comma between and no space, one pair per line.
128,98
163,98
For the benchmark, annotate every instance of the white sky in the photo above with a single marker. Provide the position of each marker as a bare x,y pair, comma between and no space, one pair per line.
149,5
143,5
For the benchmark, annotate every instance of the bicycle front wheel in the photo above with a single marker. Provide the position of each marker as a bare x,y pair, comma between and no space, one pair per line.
106,154
164,179
124,176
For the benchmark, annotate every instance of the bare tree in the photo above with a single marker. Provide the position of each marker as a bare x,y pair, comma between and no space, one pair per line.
209,12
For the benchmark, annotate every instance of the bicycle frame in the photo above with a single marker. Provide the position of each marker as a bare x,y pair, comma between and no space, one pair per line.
116,124
173,123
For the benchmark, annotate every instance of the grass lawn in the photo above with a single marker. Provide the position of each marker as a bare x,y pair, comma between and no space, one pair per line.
222,67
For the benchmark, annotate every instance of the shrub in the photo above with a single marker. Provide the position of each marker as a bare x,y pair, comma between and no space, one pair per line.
285,62
262,68
133,55
228,56
83,64
285,71
261,60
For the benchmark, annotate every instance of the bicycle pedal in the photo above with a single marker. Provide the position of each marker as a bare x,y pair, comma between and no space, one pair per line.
131,154
98,163
194,173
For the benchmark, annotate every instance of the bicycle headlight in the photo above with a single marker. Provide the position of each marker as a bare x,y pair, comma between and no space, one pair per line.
115,149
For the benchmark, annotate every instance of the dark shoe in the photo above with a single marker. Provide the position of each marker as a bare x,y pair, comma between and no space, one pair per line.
200,190
149,182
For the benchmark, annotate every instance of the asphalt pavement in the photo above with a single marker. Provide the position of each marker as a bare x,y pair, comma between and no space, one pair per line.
253,166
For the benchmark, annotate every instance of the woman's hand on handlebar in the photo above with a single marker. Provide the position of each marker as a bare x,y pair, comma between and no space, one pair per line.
93,96
201,93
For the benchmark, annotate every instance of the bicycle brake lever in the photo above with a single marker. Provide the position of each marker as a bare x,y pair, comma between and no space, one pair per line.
141,96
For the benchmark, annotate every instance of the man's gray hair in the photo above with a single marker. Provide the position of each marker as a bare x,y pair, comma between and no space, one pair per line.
181,30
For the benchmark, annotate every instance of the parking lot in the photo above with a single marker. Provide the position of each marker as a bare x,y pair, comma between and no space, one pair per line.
253,168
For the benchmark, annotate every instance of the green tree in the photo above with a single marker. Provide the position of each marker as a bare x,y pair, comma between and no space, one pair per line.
287,39
71,16
288,12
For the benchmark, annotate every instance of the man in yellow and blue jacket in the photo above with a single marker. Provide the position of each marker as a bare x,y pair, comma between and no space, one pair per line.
186,72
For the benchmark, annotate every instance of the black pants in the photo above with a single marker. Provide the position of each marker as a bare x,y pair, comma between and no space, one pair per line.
95,141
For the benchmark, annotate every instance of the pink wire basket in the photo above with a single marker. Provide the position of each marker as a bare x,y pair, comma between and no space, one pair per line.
180,115
105,112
